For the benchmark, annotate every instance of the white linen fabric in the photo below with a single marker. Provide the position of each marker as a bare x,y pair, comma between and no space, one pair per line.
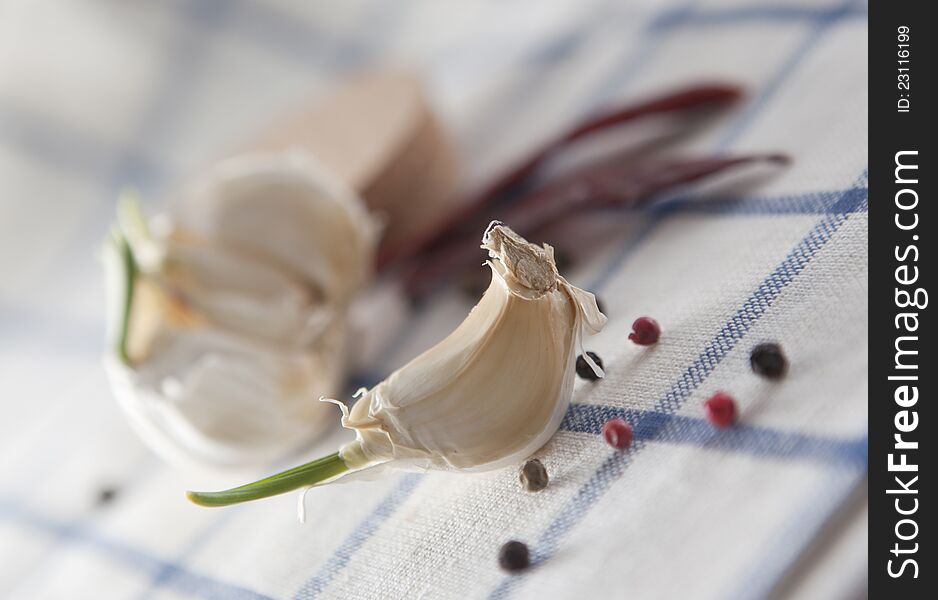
98,95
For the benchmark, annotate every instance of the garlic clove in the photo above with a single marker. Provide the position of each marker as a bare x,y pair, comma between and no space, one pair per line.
196,392
221,340
210,398
489,395
288,210
237,292
496,389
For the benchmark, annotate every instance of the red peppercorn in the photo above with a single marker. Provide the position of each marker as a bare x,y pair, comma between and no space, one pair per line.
645,331
721,409
618,433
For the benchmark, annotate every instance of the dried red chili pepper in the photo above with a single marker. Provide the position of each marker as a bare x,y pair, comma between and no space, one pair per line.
427,261
688,100
596,186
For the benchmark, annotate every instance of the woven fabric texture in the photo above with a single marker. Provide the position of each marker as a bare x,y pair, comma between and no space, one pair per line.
97,95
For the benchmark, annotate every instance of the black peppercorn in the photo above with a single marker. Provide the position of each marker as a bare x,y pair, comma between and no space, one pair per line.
583,368
533,475
106,495
514,556
768,360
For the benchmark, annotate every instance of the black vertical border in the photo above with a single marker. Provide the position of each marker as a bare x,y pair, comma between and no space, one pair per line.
892,131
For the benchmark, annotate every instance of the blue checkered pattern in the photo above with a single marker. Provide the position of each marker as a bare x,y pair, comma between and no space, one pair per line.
210,72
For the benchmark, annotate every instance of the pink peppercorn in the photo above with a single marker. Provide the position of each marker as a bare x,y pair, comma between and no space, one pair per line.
617,433
645,331
721,409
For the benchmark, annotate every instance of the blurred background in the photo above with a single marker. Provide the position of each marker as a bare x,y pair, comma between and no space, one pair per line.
99,95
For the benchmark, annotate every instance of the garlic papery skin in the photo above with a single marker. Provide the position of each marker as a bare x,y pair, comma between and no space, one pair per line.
495,390
489,395
229,314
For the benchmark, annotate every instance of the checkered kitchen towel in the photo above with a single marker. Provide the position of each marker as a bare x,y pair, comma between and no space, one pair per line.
98,94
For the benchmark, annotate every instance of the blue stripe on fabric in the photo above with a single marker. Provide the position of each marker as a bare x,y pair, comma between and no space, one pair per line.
131,165
536,70
286,36
648,426
343,554
719,347
125,166
853,199
180,578
772,15
635,61
72,336
269,29
66,148
684,15
168,575
842,202
625,250
750,312
633,65
211,16
274,30
812,38
174,85
658,426
183,65
307,43
770,572
814,203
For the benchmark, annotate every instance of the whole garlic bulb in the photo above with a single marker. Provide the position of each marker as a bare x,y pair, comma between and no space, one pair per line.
229,317
489,395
